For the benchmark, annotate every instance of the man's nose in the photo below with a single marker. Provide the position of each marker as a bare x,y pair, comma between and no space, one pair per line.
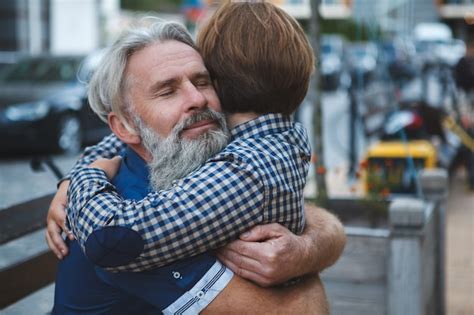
195,99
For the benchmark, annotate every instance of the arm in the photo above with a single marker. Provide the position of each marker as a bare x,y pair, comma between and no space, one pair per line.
199,213
325,240
108,147
55,220
243,297
271,254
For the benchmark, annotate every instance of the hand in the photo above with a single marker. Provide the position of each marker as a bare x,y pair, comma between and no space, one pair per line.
56,220
109,166
267,255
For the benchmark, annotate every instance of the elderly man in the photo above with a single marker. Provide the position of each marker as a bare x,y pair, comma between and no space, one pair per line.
169,73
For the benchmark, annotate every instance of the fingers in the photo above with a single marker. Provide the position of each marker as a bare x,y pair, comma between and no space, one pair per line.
109,166
60,221
70,236
55,241
241,261
115,162
68,232
249,249
243,272
268,263
261,233
52,247
56,222
251,258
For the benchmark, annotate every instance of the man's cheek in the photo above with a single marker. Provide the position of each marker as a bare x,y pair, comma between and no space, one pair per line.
214,102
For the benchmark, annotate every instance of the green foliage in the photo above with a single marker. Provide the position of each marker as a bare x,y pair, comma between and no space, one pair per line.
353,31
151,5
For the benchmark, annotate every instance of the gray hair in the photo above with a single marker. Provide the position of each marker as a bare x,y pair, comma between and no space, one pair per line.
174,157
108,85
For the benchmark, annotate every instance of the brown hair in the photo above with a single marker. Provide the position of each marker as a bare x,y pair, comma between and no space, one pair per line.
258,55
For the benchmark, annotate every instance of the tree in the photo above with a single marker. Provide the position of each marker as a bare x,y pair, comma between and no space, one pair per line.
151,5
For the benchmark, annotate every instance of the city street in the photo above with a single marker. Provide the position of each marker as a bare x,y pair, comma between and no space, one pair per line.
18,182
393,82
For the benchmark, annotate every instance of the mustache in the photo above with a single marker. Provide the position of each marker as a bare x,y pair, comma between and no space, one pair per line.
206,114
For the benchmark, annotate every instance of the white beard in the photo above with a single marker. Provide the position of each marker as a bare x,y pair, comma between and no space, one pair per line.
173,157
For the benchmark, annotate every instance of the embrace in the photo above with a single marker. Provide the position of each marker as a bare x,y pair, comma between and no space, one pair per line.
204,211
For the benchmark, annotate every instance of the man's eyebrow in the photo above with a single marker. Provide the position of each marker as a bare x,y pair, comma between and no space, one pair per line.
200,75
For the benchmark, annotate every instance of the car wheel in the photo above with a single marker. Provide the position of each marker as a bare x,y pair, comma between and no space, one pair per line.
69,134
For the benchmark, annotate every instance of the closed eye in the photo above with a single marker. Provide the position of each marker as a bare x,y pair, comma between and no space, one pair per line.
201,80
202,83
165,93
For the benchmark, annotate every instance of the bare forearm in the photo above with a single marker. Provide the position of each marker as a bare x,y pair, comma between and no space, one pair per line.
325,239
243,297
270,254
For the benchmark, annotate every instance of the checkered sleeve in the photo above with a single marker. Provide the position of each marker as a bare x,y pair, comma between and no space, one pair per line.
108,147
201,212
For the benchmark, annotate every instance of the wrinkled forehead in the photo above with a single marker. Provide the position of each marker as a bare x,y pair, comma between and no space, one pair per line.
164,61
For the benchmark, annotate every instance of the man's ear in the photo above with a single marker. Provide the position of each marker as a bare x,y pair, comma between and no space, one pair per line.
122,130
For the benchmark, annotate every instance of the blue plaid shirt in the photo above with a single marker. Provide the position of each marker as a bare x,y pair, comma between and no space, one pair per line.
257,179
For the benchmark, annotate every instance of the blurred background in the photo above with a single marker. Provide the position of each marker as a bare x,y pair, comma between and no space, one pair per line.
392,96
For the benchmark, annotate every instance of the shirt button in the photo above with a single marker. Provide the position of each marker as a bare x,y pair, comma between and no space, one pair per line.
200,294
176,275
154,203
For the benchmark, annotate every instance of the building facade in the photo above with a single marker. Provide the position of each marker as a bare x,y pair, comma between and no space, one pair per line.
55,26
459,14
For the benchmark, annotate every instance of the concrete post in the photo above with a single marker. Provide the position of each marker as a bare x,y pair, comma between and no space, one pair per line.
434,185
405,276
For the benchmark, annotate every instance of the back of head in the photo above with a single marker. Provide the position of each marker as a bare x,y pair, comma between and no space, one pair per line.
108,87
258,55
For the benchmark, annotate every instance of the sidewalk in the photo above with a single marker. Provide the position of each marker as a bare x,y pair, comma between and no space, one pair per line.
460,248
459,236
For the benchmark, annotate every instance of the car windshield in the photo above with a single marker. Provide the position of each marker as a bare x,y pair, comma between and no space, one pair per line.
42,70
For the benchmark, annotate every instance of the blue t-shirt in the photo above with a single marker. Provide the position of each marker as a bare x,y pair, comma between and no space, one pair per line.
82,287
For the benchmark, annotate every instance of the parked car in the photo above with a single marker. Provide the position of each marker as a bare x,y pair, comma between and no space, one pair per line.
44,107
435,44
8,58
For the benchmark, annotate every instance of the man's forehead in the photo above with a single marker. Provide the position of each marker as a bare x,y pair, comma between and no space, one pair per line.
166,60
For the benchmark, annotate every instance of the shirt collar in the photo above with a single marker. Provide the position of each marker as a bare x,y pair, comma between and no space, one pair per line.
262,126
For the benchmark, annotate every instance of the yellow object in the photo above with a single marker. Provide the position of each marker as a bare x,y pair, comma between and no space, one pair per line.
398,149
466,139
390,165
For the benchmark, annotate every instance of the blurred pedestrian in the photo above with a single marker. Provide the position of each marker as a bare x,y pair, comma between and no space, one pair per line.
464,75
464,70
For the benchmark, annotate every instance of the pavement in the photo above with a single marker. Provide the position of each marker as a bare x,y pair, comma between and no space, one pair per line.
19,183
460,248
